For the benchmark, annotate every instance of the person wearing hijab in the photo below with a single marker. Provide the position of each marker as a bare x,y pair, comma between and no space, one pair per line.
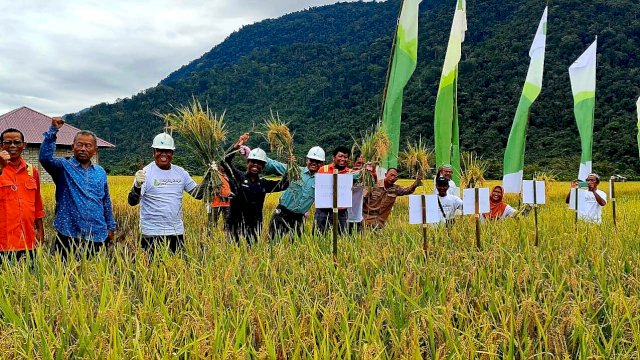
499,209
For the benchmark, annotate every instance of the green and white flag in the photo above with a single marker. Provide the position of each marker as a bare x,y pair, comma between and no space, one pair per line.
638,106
514,153
405,57
583,86
446,130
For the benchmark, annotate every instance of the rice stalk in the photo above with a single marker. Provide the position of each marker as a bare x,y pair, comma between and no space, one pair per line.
280,140
416,158
473,169
205,133
373,147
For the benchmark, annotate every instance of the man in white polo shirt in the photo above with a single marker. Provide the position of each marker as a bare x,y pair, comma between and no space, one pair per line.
158,188
595,199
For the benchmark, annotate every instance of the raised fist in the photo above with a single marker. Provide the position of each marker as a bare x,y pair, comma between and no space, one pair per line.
4,158
141,176
57,122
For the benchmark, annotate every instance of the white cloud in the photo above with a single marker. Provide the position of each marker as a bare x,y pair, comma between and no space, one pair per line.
62,56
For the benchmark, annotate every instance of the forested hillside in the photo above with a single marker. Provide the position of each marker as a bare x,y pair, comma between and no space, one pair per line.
324,71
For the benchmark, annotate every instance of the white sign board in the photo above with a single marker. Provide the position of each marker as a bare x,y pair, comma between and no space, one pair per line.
324,190
355,211
469,201
582,203
415,209
527,192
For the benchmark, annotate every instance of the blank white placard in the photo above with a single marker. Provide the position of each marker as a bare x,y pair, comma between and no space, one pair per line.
582,204
527,192
324,190
469,201
415,209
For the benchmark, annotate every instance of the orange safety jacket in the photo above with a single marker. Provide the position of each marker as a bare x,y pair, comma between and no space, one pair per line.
224,199
20,206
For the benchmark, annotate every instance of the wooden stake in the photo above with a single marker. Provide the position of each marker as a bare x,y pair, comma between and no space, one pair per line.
425,243
576,203
478,245
612,194
535,209
335,216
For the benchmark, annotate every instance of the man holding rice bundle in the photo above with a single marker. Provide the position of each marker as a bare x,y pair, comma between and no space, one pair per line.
159,188
298,198
378,202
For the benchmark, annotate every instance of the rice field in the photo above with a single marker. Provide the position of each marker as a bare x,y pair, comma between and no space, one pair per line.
576,295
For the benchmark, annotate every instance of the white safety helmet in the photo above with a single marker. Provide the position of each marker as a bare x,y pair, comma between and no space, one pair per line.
163,141
257,154
316,153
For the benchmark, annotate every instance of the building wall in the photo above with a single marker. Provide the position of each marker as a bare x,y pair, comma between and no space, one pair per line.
31,153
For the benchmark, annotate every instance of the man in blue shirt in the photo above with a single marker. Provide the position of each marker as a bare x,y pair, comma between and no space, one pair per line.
84,216
298,198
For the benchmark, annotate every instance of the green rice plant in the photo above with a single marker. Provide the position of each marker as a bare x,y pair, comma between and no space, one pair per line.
280,139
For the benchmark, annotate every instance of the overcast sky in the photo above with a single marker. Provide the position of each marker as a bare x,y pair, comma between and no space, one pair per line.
58,57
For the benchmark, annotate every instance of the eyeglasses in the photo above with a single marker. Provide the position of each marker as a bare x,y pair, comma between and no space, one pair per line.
81,145
12,142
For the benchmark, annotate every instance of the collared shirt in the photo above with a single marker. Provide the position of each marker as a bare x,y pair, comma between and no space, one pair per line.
83,205
380,200
299,196
20,206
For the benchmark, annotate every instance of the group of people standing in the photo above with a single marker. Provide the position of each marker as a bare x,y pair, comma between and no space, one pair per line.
84,216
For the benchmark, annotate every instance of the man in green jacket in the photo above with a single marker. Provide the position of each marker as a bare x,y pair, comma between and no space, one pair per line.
297,199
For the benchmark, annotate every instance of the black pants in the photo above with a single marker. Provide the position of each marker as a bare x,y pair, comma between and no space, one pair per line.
64,244
151,242
7,256
284,222
323,220
239,229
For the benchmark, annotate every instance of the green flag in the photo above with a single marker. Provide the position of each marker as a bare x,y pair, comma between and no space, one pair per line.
405,57
446,131
583,85
514,153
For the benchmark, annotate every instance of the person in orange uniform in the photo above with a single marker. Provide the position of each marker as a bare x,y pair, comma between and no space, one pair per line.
21,211
323,217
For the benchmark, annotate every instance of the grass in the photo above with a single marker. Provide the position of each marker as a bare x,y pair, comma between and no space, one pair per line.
574,296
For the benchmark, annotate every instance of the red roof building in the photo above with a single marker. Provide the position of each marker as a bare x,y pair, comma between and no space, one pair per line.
33,124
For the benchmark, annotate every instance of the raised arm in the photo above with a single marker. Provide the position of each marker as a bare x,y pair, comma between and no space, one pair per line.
48,148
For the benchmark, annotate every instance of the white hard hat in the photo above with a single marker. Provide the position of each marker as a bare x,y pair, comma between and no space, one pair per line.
316,153
257,154
163,141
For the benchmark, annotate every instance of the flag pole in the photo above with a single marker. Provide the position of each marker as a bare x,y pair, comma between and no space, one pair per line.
393,49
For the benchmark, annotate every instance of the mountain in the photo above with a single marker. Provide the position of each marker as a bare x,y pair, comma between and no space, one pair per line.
323,70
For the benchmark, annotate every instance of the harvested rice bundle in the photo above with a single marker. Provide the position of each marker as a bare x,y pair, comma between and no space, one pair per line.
280,140
204,132
373,147
473,170
417,159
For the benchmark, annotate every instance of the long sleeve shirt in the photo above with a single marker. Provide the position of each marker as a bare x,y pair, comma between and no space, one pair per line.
299,196
379,201
20,206
83,204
